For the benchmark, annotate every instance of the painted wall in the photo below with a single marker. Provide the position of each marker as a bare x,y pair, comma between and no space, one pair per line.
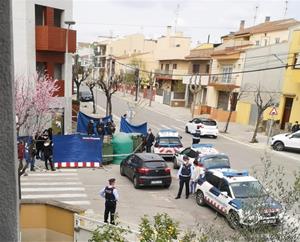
243,112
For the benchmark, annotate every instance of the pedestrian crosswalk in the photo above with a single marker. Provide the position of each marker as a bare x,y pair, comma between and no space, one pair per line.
62,185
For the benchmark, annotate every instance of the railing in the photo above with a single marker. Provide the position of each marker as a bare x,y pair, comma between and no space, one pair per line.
222,80
84,228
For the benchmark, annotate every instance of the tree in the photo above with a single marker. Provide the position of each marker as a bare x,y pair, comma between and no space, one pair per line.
151,79
263,102
195,88
80,74
34,102
91,84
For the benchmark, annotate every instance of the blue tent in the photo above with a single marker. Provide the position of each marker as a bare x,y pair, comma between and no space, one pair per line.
129,128
83,120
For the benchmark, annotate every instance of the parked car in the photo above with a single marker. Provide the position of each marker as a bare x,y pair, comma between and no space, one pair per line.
85,96
286,141
208,157
239,197
146,169
167,143
207,127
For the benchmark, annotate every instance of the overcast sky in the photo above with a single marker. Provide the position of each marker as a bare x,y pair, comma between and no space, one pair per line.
196,18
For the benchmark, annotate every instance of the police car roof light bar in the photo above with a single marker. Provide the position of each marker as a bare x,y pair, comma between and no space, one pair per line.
167,130
234,173
202,146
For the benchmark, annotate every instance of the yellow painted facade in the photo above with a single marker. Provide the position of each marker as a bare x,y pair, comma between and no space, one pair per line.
243,112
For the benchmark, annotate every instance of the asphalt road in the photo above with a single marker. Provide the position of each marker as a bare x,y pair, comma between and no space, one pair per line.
135,203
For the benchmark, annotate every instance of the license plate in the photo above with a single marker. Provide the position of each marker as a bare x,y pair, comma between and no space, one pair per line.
269,221
156,182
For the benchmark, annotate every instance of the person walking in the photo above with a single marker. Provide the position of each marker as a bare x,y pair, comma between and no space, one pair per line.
149,140
31,153
184,175
196,137
110,193
48,152
295,127
197,172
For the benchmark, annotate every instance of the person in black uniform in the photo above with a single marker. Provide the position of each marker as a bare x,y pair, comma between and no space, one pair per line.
196,137
48,154
100,128
111,196
149,140
184,175
90,127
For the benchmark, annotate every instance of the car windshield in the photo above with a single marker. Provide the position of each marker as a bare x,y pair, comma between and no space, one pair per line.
247,189
85,94
155,164
169,140
209,122
216,162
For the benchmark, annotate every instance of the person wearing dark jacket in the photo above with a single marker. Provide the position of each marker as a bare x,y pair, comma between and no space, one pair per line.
90,127
196,137
48,152
295,127
184,175
100,128
149,140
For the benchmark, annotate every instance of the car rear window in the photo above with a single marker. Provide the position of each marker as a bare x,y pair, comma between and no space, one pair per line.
155,164
209,122
217,162
169,140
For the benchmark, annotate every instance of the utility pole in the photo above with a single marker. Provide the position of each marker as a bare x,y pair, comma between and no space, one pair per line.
137,82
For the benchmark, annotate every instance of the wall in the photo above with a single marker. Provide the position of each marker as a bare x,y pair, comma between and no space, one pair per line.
243,112
270,36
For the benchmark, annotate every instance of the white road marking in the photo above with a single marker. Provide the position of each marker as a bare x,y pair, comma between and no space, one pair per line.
49,183
115,116
53,174
77,202
164,126
52,189
63,195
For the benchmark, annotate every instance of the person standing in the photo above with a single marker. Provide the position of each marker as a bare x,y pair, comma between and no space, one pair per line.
100,128
196,137
111,196
149,140
295,127
90,127
31,155
184,175
48,151
196,173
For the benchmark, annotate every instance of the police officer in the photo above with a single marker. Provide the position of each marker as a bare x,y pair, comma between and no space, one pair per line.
196,136
100,128
111,196
184,175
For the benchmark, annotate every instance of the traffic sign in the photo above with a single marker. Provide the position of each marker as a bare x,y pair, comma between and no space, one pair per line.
273,112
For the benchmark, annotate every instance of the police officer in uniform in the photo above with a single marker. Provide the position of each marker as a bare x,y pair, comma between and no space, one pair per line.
196,137
184,175
111,196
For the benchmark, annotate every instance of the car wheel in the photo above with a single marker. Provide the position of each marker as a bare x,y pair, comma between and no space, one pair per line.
279,146
233,220
122,171
186,129
200,198
136,183
175,166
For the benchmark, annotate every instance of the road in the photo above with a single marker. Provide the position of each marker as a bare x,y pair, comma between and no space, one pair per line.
86,183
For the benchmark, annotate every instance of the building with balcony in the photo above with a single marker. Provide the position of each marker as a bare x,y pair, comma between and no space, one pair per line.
41,38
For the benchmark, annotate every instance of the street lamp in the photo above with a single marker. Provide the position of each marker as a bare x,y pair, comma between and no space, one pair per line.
68,86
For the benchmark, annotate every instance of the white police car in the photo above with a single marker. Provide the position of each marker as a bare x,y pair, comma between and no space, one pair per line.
239,197
207,155
167,143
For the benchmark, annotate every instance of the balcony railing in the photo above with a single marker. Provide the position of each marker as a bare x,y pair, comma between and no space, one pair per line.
49,38
222,82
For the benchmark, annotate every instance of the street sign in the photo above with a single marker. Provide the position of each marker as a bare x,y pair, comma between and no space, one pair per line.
273,112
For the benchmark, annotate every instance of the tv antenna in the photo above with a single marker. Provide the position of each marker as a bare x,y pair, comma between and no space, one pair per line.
255,15
285,8
176,16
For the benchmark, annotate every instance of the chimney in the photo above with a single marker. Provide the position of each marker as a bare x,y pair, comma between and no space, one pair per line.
242,25
169,29
268,18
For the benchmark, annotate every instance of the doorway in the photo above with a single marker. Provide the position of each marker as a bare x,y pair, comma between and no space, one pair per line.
287,111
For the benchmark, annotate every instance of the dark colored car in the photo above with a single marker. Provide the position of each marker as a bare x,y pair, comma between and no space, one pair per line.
146,169
85,96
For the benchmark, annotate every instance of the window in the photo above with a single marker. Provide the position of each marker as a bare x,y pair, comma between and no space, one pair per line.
212,179
178,45
226,77
196,68
161,66
277,40
40,68
167,67
207,68
57,17
257,42
174,66
39,15
296,136
296,64
224,187
57,72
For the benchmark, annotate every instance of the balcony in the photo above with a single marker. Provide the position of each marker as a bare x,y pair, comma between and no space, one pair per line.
174,74
50,38
223,84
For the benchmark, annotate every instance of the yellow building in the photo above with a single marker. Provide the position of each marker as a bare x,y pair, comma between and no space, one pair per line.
289,109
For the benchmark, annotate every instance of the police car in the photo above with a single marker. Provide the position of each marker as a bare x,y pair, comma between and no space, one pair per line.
167,143
207,155
239,197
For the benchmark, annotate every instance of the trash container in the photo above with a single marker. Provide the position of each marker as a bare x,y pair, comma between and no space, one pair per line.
122,144
138,140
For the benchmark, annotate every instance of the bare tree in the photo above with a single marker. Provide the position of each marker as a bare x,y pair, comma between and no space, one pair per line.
151,82
262,103
80,74
195,88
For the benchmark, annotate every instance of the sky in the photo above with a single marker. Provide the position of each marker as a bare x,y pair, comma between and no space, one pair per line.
195,18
